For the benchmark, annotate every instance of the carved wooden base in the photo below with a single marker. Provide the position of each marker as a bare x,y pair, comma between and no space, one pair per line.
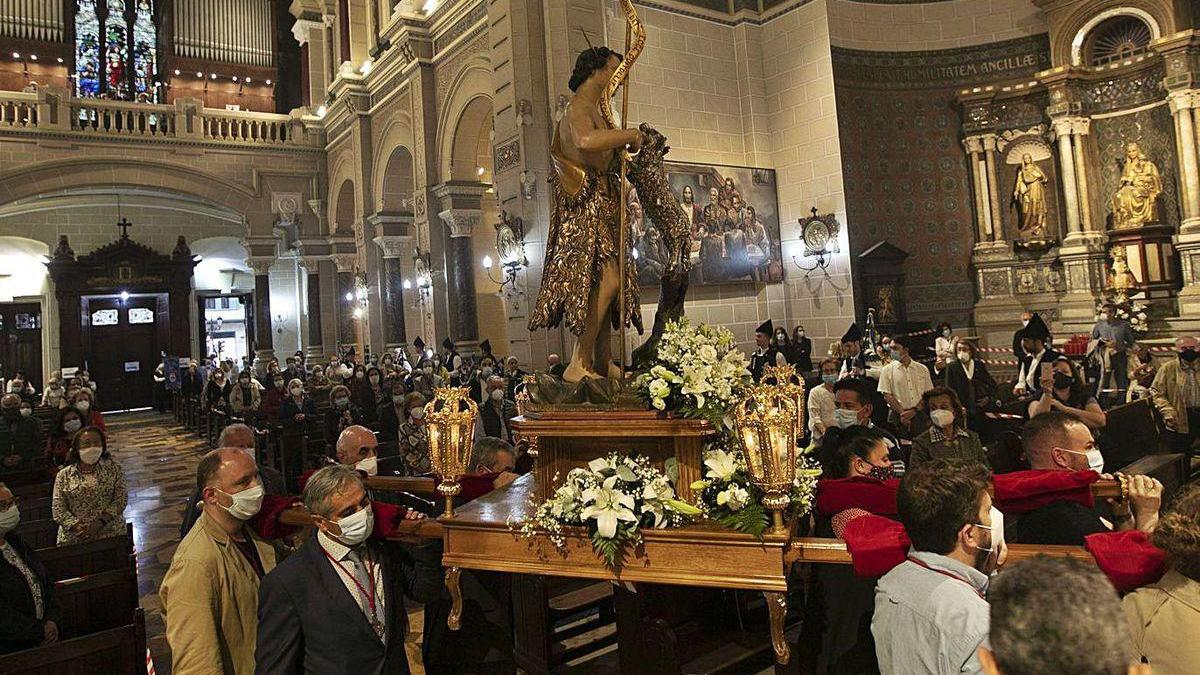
777,607
453,579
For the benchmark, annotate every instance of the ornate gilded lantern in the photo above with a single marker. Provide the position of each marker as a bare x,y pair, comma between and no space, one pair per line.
787,377
523,399
768,420
450,419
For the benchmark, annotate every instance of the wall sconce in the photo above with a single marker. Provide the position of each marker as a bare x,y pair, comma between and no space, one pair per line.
528,185
820,237
422,281
450,417
766,422
510,247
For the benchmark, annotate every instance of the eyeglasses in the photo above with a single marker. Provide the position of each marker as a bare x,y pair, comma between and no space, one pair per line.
4,506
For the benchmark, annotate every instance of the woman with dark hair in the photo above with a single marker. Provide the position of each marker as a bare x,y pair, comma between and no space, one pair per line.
31,612
371,394
89,492
944,346
216,392
801,354
970,379
342,413
781,342
1063,389
62,432
1164,617
948,436
297,408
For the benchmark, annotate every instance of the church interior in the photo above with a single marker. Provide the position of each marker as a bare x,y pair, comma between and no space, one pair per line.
645,336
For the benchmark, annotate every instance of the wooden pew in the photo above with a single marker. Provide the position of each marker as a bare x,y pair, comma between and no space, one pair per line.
32,490
39,533
97,602
23,477
1132,432
93,557
36,508
117,651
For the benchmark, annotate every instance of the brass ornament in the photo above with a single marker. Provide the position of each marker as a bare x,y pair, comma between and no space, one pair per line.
450,419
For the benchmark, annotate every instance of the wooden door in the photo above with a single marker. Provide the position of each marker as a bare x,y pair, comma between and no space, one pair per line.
124,348
21,341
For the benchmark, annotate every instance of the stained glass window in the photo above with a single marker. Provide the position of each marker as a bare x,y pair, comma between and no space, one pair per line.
141,315
115,49
104,317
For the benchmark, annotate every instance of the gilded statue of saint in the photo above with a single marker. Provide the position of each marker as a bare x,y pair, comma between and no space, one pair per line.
581,281
1134,204
1029,194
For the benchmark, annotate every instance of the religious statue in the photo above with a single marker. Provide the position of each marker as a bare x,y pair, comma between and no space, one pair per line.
1134,204
1029,196
1120,279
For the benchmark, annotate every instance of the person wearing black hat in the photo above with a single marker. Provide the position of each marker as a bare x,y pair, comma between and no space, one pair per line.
485,349
854,361
420,345
765,354
1035,341
454,362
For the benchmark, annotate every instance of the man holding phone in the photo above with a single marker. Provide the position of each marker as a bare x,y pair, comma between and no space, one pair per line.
1039,356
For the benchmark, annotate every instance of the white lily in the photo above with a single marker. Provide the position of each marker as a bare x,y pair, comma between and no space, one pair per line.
608,506
721,465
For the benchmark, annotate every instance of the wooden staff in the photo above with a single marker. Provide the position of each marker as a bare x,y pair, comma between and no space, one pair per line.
624,216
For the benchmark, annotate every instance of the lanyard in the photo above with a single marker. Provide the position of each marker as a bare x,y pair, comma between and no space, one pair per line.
943,573
370,580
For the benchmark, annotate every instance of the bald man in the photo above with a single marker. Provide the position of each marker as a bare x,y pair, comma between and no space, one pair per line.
235,436
358,447
210,591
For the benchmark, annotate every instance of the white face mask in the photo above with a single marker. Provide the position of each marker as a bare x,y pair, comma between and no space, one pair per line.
369,465
357,526
942,418
996,528
9,520
965,357
84,406
71,426
845,418
398,400
26,412
497,394
90,456
487,371
1094,457
245,503
417,413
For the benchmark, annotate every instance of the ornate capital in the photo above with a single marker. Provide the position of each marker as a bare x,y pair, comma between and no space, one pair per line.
260,265
973,144
989,142
1071,126
303,27
345,262
460,221
1183,100
312,263
394,246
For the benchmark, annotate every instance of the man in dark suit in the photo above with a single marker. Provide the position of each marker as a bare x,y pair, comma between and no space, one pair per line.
26,623
336,606
1035,340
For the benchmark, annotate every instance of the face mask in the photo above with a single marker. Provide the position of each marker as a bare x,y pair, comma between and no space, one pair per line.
497,394
360,375
885,472
886,349
71,426
942,418
245,503
417,413
341,402
965,357
90,456
487,371
374,379
1063,381
357,526
1024,322
845,418
279,384
781,337
26,412
1189,355
9,520
996,528
829,379
427,370
296,391
946,333
370,466
398,400
1094,457
84,406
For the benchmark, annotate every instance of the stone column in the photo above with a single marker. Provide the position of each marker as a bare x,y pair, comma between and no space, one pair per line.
314,350
460,273
1062,128
974,147
344,313
989,153
1079,130
1183,106
264,349
391,280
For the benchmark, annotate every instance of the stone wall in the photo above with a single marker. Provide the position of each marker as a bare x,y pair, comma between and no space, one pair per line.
889,26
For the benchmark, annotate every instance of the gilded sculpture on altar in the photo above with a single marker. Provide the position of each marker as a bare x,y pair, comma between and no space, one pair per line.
1135,202
1029,196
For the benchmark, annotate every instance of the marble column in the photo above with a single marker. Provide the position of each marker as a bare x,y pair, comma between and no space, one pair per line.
1079,130
347,333
1070,191
314,350
460,273
264,349
1183,107
974,147
989,153
391,280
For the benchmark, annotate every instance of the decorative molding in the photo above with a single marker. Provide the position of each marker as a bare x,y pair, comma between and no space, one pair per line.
345,262
260,265
466,22
508,156
942,68
461,222
303,27
394,246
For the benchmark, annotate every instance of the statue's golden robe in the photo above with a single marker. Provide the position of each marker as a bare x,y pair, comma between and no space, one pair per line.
583,236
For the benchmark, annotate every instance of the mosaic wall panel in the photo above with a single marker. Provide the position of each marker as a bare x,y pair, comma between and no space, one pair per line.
1154,131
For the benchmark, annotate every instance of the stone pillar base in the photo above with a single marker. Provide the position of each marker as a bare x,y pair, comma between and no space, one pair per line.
1085,241
1187,247
261,358
314,354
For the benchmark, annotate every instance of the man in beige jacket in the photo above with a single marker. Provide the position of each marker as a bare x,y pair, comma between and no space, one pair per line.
210,592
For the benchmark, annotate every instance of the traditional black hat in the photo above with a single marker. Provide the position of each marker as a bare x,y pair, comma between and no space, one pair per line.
447,343
486,347
853,334
1037,329
419,344
766,328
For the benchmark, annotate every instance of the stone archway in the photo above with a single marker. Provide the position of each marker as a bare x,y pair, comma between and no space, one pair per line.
343,208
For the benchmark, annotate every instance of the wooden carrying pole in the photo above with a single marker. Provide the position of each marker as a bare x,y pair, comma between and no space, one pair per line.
624,216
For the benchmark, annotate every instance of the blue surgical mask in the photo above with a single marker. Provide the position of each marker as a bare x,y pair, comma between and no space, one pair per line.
830,378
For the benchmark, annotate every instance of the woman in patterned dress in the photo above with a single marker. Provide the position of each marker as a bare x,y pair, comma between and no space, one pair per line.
414,436
89,492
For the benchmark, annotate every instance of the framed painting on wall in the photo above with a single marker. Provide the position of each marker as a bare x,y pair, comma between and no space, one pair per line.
734,216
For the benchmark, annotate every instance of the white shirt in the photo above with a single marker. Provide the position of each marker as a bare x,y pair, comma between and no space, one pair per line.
359,562
820,409
906,383
780,359
1029,379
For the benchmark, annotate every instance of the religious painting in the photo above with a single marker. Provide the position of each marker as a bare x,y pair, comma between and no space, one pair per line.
734,216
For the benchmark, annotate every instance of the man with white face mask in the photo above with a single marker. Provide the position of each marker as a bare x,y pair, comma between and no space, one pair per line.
336,606
495,411
210,592
1056,441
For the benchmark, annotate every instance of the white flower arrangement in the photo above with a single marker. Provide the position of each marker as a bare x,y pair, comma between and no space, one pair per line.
727,496
614,497
699,372
1133,312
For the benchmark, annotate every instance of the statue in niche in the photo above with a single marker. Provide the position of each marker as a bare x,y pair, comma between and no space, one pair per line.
1135,203
1029,196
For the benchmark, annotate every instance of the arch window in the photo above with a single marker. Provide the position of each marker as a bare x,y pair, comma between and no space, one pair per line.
116,49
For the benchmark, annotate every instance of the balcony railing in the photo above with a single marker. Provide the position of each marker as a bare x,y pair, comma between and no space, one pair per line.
185,120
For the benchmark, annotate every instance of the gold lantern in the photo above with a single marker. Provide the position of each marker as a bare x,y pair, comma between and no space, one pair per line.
787,377
768,421
523,399
450,419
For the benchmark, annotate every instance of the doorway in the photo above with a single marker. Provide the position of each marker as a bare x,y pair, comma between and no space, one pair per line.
226,327
125,338
21,342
